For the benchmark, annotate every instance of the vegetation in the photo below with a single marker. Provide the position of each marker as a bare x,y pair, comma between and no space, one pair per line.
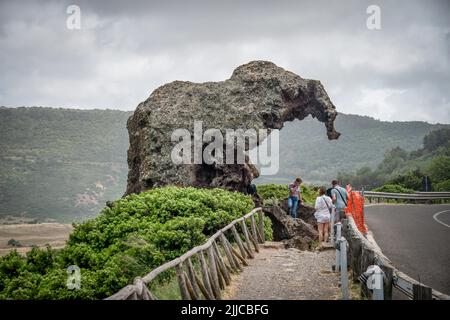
393,188
135,235
403,170
273,193
61,164
307,152
14,243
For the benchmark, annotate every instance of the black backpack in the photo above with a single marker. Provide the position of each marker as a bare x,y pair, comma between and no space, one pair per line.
251,189
329,192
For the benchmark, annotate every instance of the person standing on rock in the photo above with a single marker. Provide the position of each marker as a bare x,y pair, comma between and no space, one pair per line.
339,197
294,196
322,214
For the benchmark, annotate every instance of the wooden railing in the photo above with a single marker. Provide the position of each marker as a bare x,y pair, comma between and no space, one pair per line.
213,272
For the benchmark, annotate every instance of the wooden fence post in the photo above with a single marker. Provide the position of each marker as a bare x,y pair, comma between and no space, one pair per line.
255,238
182,283
261,225
222,265
205,274
237,237
248,244
214,275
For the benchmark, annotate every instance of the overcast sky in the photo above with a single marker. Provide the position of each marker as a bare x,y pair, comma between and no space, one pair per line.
126,49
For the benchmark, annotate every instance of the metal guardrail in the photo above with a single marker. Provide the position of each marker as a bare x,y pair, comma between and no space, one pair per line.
408,196
341,246
222,259
369,252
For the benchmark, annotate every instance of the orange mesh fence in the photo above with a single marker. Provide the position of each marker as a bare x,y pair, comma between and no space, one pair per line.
355,208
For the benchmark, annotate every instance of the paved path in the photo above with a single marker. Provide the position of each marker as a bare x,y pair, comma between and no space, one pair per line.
286,274
416,239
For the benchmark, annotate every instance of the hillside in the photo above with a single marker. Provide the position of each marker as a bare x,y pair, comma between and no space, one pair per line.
61,164
65,164
306,151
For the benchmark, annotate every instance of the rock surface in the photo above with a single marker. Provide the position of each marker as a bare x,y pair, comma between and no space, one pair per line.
259,95
295,233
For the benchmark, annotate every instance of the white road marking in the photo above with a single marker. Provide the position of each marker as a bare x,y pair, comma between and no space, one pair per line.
437,220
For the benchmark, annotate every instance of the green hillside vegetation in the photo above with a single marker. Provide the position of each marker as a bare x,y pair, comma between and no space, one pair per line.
135,235
401,169
65,164
61,164
272,193
306,151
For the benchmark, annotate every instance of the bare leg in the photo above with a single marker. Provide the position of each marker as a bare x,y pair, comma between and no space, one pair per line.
326,227
320,229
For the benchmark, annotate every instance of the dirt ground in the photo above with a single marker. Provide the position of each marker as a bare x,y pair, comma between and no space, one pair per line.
286,274
30,235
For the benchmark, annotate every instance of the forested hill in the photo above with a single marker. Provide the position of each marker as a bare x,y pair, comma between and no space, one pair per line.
306,151
60,163
65,164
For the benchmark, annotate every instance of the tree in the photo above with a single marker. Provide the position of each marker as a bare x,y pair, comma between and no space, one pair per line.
14,243
439,169
436,139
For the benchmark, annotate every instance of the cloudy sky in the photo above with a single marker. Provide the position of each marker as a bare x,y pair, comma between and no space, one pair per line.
126,49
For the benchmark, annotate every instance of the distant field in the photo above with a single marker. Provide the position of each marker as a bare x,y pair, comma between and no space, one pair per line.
54,234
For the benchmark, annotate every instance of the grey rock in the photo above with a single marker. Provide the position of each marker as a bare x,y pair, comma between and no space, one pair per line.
285,228
259,95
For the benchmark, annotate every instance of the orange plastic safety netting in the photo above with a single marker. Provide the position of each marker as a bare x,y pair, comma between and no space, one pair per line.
355,208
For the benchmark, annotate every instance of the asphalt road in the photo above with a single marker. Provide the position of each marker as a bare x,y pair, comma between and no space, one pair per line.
414,241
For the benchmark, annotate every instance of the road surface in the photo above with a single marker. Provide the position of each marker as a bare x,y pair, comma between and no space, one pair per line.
416,238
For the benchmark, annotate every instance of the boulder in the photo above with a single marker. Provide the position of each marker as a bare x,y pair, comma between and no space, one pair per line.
258,95
295,232
304,212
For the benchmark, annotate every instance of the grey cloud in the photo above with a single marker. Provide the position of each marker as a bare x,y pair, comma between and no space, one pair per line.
126,49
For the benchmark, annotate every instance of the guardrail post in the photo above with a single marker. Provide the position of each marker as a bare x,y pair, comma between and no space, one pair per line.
333,211
373,278
338,237
343,266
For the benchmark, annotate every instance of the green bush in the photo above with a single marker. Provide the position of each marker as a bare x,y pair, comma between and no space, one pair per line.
410,180
393,188
272,192
135,235
442,186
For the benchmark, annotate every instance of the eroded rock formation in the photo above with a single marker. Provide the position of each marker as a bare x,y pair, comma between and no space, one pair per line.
258,95
295,233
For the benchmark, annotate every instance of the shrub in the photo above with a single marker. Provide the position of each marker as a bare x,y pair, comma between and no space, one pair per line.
135,235
442,186
393,188
14,243
272,192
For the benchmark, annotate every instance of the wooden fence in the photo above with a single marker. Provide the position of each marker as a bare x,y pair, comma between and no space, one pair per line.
213,274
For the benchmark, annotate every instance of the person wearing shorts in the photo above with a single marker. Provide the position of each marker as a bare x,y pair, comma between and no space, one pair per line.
322,214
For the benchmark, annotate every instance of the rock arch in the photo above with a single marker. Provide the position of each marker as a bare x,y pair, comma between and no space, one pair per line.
258,95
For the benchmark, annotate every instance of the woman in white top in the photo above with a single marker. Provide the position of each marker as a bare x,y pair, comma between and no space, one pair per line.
323,209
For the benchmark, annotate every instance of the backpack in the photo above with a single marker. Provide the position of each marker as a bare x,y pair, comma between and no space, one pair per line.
329,192
251,189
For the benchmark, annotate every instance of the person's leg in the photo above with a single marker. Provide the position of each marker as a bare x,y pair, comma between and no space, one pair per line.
342,214
326,226
337,216
294,207
320,229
